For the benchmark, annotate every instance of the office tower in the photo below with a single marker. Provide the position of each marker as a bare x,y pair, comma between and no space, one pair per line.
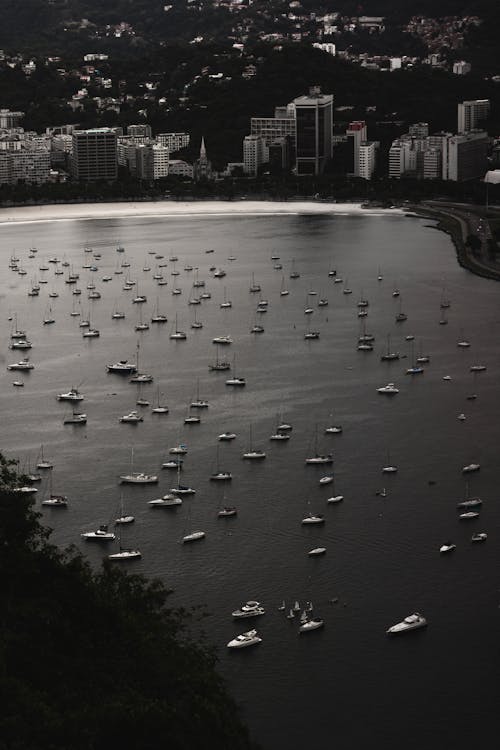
255,153
314,128
367,159
10,119
94,155
467,156
142,130
471,114
356,135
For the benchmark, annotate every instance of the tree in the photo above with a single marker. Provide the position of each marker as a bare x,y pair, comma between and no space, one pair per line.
93,660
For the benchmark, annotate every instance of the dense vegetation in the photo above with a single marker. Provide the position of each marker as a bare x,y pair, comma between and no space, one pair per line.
92,660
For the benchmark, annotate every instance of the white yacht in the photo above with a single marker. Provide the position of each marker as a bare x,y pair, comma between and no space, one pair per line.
412,622
101,535
468,515
180,449
72,395
124,520
335,499
327,479
477,368
56,501
21,344
138,477
167,501
389,389
23,364
224,340
249,609
480,537
76,418
254,455
472,502
313,624
236,381
123,367
470,468
227,511
125,554
313,518
311,335
132,418
193,536
321,459
250,638
447,547
277,436
227,436
221,476
317,551
333,430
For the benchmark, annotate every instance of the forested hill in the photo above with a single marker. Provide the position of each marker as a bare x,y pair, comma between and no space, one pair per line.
96,660
40,24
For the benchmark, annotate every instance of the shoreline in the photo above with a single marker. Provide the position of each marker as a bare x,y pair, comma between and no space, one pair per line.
171,209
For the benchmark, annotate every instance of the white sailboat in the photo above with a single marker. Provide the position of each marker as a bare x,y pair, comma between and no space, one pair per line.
252,453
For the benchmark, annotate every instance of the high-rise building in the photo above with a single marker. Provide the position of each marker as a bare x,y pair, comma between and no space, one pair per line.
94,155
271,128
314,129
10,119
151,161
461,68
367,159
255,153
471,114
173,141
432,164
356,135
419,129
141,130
467,156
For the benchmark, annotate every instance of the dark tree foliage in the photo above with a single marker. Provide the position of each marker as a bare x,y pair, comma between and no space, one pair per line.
92,660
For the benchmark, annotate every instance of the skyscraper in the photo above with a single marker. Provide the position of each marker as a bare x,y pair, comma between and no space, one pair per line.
314,128
94,155
472,113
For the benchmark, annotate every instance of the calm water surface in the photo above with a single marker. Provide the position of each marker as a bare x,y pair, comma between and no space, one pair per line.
347,685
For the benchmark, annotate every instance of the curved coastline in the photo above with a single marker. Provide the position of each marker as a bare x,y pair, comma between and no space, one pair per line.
169,208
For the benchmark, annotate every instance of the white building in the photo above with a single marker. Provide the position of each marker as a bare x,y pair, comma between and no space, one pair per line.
326,47
173,141
461,68
180,168
367,159
255,153
356,135
471,114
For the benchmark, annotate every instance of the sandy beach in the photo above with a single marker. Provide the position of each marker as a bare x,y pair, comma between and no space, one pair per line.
93,211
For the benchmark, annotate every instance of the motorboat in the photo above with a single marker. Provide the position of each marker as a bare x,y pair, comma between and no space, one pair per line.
72,395
236,381
257,329
470,468
92,333
101,535
365,347
141,377
317,551
182,490
446,377
326,479
249,609
477,368
279,436
311,335
389,389
227,436
138,477
389,469
221,476
447,547
311,624
224,340
167,501
174,463
468,515
254,455
250,638
320,459
227,512
23,365
76,418
132,418
194,536
462,417
415,370
180,449
124,520
333,430
335,499
26,489
125,554
123,367
412,622
191,419
313,518
473,502
480,537
21,344
56,501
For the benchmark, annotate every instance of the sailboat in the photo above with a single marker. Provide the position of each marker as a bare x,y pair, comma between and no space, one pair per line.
283,290
181,489
138,377
17,333
253,286
389,468
335,498
253,453
389,355
400,316
176,334
219,365
141,325
157,316
43,463
294,274
191,418
193,536
199,403
159,408
333,429
76,417
124,553
235,380
319,458
123,518
219,475
53,499
415,368
137,477
225,303
196,323
49,318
